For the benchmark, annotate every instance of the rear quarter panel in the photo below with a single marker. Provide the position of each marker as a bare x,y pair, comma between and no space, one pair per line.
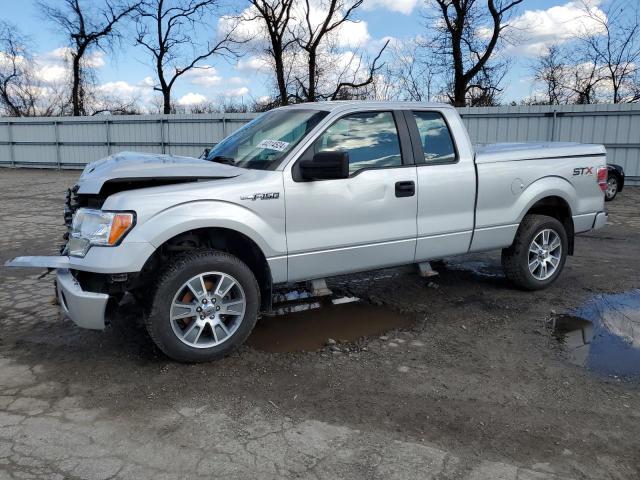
508,189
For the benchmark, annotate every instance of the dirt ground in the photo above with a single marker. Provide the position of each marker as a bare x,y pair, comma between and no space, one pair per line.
472,386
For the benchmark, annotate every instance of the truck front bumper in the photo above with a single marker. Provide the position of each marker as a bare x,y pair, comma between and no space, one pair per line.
85,309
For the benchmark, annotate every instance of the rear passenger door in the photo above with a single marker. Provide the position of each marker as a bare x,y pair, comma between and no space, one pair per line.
362,222
446,187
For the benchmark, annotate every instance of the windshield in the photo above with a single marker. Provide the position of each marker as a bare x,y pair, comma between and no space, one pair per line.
263,142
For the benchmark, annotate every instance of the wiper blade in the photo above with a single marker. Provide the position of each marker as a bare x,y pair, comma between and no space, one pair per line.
224,160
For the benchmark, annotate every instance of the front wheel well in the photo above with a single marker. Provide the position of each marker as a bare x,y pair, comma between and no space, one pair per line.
559,209
237,244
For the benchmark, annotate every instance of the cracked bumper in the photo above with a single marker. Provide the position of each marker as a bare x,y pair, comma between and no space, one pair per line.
600,220
85,309
125,258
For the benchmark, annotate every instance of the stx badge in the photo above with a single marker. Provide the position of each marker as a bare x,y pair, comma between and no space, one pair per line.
261,196
583,171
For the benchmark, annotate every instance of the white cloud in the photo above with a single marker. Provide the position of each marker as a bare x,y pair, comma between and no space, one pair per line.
124,92
353,34
62,54
51,73
192,99
237,80
253,64
205,76
53,66
541,28
236,92
401,6
247,26
349,34
95,60
148,82
120,88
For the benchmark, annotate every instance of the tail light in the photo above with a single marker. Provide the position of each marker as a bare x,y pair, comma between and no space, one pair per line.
602,178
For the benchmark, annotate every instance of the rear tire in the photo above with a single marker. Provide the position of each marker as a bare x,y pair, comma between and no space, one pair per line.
529,262
205,305
613,185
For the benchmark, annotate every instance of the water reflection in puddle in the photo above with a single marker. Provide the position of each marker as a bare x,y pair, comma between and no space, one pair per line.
603,335
307,328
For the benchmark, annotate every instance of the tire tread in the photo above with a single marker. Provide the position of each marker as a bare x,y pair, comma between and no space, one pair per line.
511,256
166,274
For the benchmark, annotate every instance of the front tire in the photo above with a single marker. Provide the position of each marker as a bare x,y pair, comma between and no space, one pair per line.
204,307
538,253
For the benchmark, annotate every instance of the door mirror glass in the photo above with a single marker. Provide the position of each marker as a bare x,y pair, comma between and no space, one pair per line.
326,166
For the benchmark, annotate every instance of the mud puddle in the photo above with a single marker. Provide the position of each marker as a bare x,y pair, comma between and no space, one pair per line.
603,335
479,268
308,327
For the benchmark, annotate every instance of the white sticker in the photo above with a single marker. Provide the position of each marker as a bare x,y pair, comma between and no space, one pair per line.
276,145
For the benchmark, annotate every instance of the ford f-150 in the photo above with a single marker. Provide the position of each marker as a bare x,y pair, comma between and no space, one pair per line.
305,192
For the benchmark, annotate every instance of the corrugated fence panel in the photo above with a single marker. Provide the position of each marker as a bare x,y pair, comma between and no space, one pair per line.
75,141
615,126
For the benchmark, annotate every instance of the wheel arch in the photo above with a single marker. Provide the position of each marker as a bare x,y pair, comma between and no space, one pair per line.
224,239
557,207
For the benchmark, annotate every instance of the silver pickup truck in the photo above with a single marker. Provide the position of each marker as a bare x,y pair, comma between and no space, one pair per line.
305,192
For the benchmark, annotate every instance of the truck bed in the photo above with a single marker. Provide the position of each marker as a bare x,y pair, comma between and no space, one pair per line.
505,152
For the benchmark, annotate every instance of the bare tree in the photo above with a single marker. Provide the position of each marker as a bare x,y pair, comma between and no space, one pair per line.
467,34
550,71
87,28
568,74
614,44
276,16
22,93
313,37
167,30
411,74
485,89
17,95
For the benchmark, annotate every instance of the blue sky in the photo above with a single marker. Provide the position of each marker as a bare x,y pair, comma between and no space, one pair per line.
540,22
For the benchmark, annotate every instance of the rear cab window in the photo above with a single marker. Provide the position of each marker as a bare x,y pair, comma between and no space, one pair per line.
435,138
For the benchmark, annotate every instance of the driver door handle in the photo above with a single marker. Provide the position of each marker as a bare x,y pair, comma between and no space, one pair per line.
405,189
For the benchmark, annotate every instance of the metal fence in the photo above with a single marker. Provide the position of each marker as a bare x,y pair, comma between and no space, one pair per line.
71,142
617,127
67,142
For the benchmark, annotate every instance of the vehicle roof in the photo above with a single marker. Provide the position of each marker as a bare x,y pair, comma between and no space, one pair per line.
337,105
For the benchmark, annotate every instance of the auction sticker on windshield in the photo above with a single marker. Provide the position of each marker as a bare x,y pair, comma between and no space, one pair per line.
277,145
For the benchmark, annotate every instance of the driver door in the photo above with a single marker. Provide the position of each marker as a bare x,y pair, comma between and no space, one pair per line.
362,222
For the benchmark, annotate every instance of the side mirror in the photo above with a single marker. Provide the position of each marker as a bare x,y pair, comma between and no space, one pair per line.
205,153
325,166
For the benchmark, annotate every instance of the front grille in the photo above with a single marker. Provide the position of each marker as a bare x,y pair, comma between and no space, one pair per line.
71,204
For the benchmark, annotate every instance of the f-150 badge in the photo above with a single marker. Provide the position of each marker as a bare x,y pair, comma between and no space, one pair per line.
261,196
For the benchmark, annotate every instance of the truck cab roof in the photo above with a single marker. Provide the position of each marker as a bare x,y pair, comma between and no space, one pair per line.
339,105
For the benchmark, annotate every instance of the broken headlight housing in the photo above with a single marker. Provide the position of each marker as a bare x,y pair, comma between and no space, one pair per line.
96,227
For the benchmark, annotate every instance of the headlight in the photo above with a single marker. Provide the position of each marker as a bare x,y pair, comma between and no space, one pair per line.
95,227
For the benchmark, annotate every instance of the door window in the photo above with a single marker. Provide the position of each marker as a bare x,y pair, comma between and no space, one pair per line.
370,139
435,137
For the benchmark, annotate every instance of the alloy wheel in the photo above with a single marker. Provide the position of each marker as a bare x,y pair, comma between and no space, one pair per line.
545,253
207,309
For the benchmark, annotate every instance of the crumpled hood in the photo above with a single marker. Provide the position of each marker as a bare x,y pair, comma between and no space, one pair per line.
131,166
